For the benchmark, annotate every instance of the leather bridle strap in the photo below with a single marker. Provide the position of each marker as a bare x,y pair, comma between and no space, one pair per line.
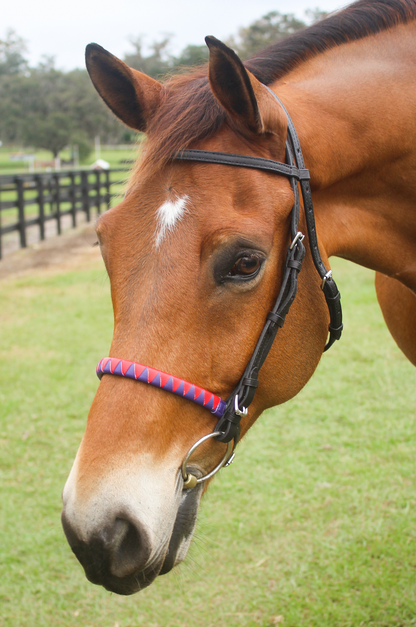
244,161
243,394
329,287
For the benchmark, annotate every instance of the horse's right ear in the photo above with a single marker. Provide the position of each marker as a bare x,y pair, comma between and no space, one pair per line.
131,95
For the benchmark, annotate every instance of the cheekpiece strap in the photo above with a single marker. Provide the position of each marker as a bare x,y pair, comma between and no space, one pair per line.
239,400
329,287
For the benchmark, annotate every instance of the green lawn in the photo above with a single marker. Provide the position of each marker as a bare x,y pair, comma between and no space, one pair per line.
115,157
313,525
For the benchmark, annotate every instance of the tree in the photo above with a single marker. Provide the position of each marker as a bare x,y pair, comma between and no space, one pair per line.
157,63
160,62
269,29
51,132
48,108
191,55
315,15
12,51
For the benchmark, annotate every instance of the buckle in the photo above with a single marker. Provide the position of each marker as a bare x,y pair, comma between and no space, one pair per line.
237,410
298,238
325,279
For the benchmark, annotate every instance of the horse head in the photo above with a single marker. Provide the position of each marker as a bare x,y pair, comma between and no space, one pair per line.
195,255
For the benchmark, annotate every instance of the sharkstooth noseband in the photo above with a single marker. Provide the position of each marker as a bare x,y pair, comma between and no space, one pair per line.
162,380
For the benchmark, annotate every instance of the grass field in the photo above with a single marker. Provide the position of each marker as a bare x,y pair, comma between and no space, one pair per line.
313,525
115,157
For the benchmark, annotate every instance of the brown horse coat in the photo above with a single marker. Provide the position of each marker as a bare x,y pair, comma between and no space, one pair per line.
171,246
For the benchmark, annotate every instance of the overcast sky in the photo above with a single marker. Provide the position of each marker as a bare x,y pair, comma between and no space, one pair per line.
63,29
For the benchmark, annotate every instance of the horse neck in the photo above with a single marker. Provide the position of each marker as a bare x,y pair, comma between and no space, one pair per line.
354,113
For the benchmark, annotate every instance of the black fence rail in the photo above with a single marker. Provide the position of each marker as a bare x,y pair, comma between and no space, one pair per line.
28,200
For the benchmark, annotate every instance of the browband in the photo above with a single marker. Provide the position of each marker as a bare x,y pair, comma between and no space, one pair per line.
244,161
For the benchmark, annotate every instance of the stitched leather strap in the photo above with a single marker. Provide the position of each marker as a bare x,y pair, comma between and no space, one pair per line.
331,292
244,161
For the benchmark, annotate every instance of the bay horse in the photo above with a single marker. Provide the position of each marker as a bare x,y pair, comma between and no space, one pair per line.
197,253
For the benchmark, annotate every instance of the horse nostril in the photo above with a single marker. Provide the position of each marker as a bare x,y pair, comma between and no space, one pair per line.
116,551
130,547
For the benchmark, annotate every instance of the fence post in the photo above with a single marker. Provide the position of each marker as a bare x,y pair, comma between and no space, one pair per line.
41,207
73,198
58,204
85,195
107,184
0,225
49,195
98,187
21,210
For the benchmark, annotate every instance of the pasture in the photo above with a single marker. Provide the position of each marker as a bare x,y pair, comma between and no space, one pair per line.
115,156
313,525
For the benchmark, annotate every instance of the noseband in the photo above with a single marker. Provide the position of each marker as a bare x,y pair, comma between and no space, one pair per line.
230,411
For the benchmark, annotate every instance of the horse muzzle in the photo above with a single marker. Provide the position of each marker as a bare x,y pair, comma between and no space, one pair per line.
125,539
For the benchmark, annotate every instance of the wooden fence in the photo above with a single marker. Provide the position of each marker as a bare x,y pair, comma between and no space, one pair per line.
28,200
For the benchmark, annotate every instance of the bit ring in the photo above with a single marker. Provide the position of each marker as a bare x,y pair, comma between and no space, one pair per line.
190,481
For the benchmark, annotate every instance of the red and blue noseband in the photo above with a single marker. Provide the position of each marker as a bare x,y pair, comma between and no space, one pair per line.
163,381
180,387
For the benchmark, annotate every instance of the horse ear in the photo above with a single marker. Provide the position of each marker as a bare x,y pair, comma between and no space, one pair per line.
238,91
131,95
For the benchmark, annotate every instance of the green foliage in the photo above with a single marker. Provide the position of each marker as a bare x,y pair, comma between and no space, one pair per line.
270,29
51,109
128,136
191,55
51,132
12,51
160,62
81,139
312,526
156,64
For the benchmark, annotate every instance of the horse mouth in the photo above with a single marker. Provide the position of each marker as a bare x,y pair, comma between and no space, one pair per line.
131,565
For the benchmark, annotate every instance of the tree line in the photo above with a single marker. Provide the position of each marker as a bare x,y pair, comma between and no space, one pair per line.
44,107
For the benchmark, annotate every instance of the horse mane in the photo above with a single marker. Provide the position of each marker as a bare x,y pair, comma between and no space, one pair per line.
189,111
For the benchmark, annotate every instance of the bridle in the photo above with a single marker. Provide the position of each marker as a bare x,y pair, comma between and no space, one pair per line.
230,411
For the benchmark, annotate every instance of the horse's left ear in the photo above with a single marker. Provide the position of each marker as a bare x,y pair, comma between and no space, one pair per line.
238,91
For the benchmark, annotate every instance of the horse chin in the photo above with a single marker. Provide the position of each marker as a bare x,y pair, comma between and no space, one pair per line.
183,528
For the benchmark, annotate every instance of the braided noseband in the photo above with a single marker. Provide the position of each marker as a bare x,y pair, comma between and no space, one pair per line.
162,380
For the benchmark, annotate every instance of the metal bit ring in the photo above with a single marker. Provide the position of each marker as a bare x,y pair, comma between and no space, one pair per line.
190,481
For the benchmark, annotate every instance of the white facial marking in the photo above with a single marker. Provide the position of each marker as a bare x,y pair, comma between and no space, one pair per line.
168,215
148,494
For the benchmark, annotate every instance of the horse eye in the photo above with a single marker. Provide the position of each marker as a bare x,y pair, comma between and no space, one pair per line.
245,267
